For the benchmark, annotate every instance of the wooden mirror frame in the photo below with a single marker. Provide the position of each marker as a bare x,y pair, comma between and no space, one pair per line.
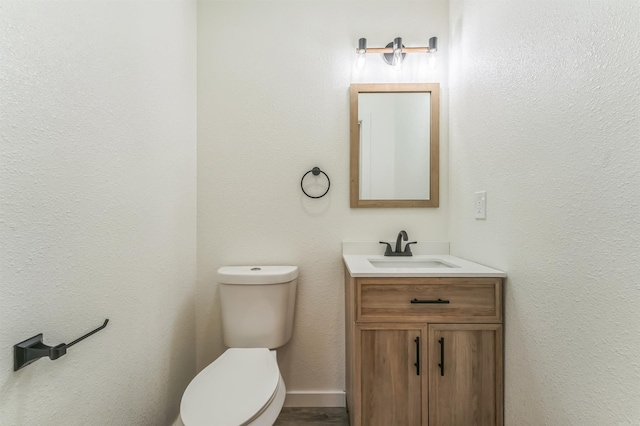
434,166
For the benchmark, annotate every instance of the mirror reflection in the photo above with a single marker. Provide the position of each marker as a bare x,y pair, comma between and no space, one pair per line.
394,145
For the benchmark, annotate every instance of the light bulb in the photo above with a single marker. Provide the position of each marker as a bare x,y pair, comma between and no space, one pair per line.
397,51
432,61
361,60
362,52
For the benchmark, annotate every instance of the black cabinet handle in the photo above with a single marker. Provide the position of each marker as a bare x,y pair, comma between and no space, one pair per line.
429,301
417,363
441,365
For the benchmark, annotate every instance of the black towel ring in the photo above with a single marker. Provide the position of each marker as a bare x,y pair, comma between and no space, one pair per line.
316,171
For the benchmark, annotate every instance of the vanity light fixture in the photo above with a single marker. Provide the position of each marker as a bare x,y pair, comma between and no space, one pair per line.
394,53
361,52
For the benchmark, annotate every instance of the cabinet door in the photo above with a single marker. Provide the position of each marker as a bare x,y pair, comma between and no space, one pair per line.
465,374
391,374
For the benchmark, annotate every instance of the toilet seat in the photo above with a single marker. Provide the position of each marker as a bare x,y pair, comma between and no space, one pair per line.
233,390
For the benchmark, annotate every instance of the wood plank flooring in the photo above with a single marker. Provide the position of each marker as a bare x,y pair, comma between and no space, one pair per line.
321,416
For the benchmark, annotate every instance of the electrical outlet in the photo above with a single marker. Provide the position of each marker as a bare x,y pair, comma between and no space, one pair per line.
480,205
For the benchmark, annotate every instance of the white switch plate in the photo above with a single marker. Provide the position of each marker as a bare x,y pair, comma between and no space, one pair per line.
480,205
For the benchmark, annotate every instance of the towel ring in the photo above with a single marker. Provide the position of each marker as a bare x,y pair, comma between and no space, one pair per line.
316,171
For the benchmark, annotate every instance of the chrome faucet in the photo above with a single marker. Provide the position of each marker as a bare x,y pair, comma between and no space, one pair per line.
402,235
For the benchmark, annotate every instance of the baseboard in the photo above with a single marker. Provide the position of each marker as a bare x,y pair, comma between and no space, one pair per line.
315,399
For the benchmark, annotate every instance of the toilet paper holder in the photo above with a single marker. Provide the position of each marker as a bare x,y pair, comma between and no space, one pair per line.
32,349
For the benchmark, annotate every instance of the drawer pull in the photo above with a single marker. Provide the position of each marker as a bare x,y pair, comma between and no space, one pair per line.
429,301
441,365
417,363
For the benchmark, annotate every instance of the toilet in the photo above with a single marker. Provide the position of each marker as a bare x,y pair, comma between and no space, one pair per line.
243,386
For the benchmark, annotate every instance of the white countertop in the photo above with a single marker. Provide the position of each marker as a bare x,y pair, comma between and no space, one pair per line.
359,265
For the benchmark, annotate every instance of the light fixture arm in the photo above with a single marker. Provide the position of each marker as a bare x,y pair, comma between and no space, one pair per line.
431,48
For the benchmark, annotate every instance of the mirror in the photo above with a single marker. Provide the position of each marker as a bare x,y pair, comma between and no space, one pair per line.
395,145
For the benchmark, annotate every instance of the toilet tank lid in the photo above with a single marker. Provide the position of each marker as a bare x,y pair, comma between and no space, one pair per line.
256,274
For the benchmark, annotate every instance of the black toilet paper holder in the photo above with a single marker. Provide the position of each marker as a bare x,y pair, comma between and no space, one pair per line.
32,349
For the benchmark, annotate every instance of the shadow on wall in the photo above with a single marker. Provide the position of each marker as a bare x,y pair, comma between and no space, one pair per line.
181,369
209,334
517,334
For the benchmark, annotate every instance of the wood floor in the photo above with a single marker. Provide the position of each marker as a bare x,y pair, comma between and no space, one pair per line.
323,416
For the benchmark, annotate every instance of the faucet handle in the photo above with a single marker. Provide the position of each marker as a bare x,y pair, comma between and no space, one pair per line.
407,249
389,250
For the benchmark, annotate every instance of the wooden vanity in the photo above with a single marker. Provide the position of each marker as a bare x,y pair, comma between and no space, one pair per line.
424,351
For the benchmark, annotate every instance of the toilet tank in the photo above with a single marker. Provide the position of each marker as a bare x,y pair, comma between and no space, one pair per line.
258,304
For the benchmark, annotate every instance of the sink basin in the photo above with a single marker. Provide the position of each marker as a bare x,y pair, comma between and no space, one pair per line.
430,259
410,263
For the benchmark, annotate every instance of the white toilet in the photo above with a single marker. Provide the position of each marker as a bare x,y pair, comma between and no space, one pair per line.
243,386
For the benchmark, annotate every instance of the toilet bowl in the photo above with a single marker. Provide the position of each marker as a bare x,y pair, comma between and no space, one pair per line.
243,386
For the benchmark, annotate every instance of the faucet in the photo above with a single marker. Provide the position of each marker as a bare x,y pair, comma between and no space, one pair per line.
402,235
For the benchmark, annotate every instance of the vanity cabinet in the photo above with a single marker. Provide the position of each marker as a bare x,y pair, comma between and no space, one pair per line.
424,351
390,388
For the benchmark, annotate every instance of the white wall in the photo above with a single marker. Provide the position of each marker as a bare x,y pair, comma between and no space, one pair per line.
273,101
97,206
545,116
97,127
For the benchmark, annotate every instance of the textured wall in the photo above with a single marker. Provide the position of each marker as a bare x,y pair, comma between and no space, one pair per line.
273,102
97,206
545,116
